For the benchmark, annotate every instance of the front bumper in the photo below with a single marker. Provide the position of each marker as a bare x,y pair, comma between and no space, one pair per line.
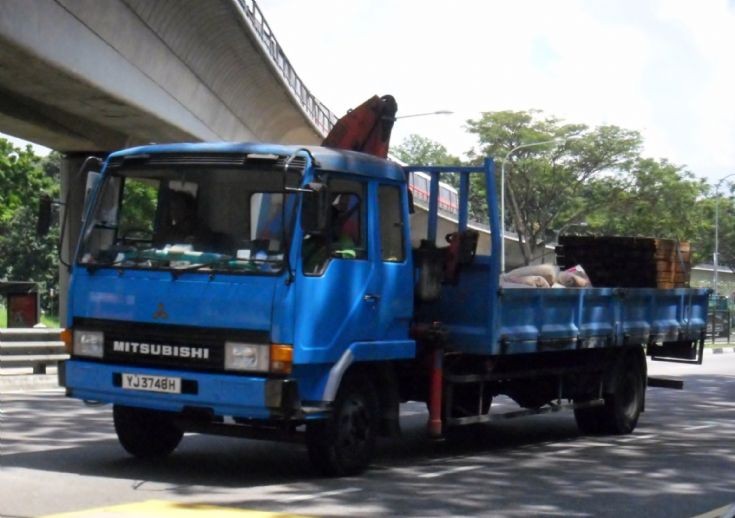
221,395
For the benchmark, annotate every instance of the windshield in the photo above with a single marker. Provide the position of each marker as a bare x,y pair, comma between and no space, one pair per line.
188,219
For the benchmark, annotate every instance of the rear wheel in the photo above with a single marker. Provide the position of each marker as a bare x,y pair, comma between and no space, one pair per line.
623,403
343,444
146,434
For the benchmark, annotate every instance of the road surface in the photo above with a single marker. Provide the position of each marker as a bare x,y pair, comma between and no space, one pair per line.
58,455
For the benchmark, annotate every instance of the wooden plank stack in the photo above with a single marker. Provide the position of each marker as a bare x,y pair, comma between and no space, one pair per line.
627,262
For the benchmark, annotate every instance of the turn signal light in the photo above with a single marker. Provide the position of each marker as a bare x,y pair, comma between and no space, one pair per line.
67,336
281,358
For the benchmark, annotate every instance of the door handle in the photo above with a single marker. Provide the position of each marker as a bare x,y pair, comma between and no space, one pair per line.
371,297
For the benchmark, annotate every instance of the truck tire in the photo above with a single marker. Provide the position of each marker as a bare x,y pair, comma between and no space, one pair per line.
624,400
624,404
343,444
146,434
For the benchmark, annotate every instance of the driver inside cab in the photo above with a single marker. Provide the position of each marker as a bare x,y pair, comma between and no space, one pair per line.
343,232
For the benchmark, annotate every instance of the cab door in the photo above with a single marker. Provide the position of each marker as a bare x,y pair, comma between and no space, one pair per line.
338,291
392,287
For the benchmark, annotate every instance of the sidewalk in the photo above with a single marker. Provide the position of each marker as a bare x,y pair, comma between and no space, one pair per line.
725,348
17,380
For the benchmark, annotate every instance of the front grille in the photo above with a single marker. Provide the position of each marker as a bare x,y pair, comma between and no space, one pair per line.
154,345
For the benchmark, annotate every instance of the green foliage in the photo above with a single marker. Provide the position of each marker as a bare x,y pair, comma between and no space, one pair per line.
28,257
25,256
138,207
658,199
555,173
704,241
416,149
21,175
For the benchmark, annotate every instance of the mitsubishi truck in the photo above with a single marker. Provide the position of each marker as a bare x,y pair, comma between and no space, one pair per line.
284,293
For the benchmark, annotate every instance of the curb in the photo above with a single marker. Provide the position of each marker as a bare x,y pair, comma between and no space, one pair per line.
719,350
21,383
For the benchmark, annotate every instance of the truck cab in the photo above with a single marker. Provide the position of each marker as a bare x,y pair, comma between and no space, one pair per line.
236,283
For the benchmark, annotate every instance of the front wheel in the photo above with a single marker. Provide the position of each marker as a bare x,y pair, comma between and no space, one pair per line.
146,434
343,444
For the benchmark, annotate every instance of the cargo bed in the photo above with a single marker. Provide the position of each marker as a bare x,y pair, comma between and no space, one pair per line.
500,321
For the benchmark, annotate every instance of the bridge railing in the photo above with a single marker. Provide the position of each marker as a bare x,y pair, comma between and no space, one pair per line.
322,117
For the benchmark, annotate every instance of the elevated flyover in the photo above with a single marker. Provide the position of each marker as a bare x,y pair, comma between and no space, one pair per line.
89,75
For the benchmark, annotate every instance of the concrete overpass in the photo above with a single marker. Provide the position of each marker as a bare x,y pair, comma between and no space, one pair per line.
90,75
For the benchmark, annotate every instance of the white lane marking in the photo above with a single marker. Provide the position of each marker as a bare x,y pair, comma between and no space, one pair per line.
634,438
449,471
727,511
700,427
314,496
397,469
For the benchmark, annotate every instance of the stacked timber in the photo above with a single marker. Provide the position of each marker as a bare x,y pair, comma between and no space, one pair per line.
627,262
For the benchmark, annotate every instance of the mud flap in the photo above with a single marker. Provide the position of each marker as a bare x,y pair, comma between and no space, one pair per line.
684,351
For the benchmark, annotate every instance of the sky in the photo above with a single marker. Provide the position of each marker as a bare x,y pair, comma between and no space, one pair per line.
661,67
664,68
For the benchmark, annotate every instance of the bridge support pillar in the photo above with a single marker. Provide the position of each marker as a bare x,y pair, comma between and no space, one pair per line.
73,183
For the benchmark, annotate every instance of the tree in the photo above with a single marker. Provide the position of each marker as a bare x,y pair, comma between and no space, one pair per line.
555,184
24,176
703,241
416,149
658,199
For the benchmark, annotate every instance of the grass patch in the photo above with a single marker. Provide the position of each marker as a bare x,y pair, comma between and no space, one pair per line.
47,320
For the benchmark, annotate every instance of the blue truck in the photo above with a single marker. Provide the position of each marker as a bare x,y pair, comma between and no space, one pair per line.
273,292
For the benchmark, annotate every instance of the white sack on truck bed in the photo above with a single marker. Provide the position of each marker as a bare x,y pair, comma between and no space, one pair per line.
545,276
547,271
574,277
525,281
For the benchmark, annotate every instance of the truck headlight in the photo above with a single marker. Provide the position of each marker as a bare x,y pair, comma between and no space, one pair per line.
241,356
89,343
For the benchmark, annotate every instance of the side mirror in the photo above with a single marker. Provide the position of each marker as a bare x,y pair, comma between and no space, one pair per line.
314,209
43,224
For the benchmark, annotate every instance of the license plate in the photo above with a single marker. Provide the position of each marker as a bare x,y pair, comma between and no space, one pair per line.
151,383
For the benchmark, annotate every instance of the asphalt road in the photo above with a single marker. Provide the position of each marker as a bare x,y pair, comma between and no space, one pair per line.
58,455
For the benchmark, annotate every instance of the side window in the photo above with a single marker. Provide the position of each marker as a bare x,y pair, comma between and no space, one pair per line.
266,214
138,209
345,235
391,224
422,187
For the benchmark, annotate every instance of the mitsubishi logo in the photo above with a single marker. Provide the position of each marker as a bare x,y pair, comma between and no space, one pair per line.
160,313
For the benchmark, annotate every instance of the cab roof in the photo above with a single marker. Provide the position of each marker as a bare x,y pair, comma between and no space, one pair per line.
327,159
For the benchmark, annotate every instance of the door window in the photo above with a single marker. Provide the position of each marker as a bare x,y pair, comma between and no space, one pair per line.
345,235
392,247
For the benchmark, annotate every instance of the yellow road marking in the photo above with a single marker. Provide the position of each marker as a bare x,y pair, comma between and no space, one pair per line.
166,509
727,511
